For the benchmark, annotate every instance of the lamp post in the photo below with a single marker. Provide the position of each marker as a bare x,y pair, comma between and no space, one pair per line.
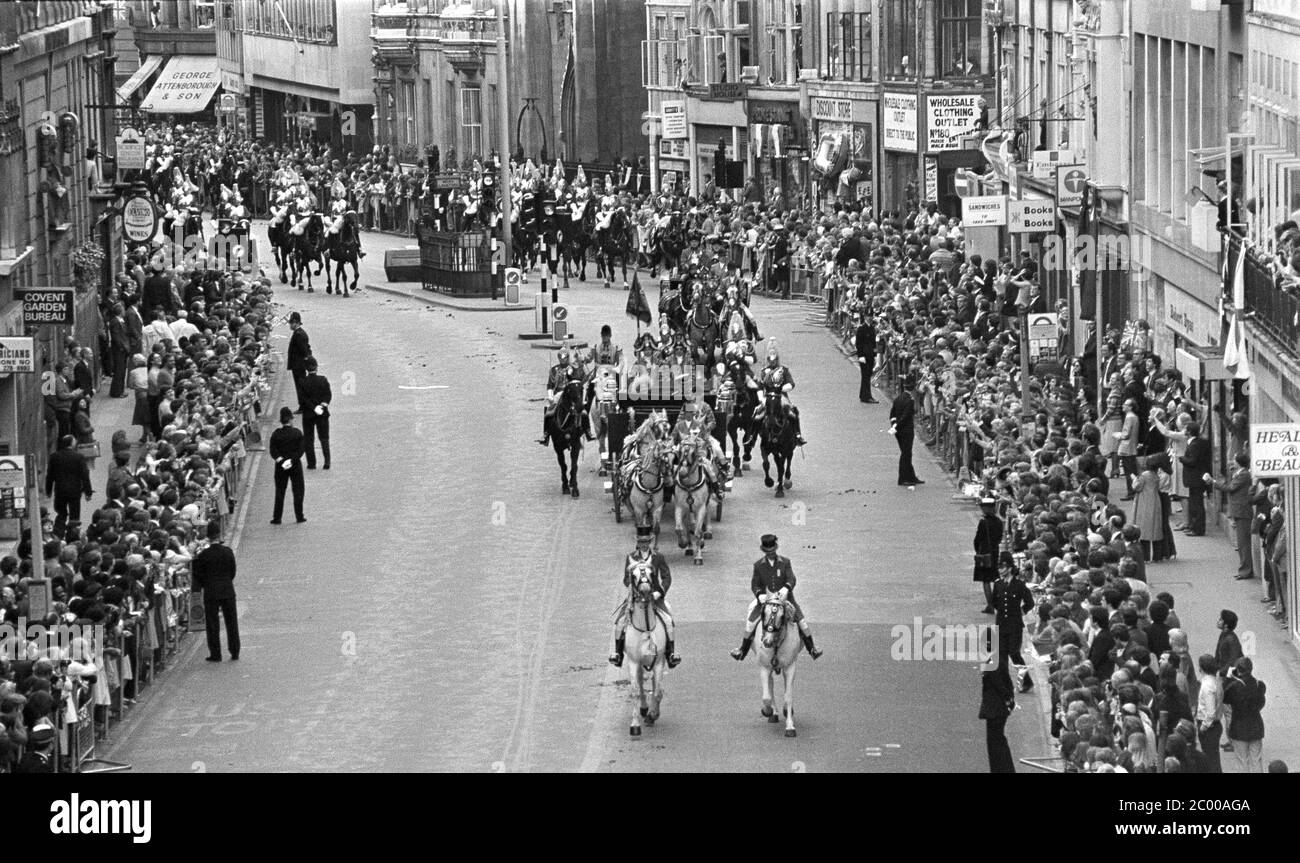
503,133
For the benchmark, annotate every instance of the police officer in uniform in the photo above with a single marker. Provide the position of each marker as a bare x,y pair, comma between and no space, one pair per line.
316,397
772,575
865,343
1011,602
902,422
988,544
662,578
286,450
299,351
39,755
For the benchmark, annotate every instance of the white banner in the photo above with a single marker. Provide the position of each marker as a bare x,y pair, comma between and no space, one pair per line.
948,118
184,86
898,126
984,211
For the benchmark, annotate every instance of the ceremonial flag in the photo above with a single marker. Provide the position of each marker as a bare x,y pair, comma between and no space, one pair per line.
1234,346
637,305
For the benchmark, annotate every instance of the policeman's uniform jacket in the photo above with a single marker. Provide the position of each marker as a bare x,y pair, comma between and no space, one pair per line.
1011,602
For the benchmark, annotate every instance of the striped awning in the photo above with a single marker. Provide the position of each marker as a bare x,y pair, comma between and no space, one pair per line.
137,79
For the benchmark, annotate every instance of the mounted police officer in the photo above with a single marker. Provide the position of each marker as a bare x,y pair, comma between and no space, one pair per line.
661,578
773,575
776,377
559,377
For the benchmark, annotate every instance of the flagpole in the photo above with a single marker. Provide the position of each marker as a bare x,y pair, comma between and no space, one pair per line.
504,202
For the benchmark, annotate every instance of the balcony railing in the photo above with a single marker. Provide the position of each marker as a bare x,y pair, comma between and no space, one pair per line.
663,63
1275,308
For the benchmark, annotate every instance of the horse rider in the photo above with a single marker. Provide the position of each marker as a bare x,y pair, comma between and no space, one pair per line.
556,380
696,421
734,304
776,377
661,578
773,576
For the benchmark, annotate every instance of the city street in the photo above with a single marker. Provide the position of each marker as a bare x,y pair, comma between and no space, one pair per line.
445,608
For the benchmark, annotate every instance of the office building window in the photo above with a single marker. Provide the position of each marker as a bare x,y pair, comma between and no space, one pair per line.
848,46
899,37
471,121
961,38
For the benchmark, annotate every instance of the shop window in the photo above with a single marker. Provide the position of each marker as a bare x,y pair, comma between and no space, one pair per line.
961,37
471,121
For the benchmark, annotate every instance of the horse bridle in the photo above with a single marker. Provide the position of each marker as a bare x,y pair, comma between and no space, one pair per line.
645,597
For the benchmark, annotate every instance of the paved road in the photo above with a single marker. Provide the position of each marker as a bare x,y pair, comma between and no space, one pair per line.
445,608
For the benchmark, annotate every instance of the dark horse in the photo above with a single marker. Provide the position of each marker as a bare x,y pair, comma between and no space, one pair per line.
777,441
615,243
277,234
567,426
703,331
344,248
307,246
735,413
666,247
576,238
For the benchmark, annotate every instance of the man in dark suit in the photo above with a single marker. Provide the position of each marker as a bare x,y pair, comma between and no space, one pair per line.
286,448
213,572
988,545
1240,511
119,350
781,261
1011,602
134,327
316,397
157,291
773,575
82,379
67,478
299,351
865,342
1197,461
902,425
997,700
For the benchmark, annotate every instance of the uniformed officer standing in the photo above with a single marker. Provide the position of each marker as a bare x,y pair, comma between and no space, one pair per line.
902,423
214,574
299,351
1011,602
988,544
865,343
286,449
316,397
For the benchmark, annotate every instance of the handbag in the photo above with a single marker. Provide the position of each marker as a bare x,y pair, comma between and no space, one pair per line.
983,561
88,450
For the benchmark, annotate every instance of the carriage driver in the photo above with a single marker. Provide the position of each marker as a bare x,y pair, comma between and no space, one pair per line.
560,375
661,578
777,377
773,575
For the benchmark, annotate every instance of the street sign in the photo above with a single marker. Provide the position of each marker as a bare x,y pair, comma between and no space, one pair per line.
1031,217
984,211
559,312
13,486
17,354
514,279
139,219
1274,449
1044,337
130,150
47,306
1070,183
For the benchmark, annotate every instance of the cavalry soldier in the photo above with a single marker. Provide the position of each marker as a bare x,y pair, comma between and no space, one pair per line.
773,575
661,578
777,377
559,376
735,304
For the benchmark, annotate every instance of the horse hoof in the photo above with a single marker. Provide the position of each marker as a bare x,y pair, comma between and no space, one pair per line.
645,711
790,732
681,543
634,731
748,458
789,483
689,553
699,561
651,719
768,481
575,492
564,490
766,710
708,534
780,492
772,718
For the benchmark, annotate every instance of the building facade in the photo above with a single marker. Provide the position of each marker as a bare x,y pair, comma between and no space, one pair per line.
300,71
573,92
158,32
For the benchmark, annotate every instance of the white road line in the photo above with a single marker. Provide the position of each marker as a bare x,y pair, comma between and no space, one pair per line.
432,387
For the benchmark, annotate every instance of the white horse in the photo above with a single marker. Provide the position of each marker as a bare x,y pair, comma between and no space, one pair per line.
778,648
644,658
691,499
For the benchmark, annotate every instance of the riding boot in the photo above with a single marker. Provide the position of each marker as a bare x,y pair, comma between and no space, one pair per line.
673,659
741,652
798,431
616,658
809,646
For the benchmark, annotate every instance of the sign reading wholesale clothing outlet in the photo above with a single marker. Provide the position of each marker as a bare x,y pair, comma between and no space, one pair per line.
948,118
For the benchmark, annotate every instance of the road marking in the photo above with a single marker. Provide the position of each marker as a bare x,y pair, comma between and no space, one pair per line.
431,387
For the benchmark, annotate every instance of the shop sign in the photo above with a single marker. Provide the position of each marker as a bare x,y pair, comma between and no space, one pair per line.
835,110
673,114
1031,217
1274,449
672,149
984,211
949,118
898,126
728,92
772,113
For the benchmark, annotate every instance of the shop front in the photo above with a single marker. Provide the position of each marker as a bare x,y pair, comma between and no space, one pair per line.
842,162
776,135
714,120
938,125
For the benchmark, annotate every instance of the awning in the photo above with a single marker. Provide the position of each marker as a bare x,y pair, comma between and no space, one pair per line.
1212,159
185,86
147,68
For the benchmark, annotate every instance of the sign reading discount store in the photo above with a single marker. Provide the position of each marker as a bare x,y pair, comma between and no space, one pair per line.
948,118
834,110
139,219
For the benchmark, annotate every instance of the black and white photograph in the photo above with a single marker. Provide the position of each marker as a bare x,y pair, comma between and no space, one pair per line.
651,387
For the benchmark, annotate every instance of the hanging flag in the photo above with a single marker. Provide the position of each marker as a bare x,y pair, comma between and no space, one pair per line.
637,305
1231,352
776,140
1239,279
756,136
